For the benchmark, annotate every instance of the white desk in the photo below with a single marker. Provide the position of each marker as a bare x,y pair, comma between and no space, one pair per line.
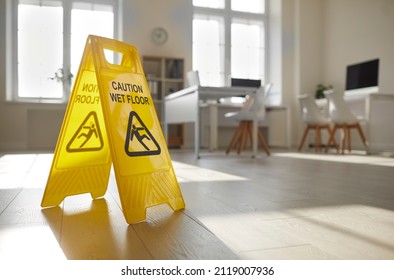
184,106
379,119
277,121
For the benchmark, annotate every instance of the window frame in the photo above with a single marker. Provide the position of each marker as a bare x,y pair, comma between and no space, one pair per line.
262,46
222,43
228,15
12,94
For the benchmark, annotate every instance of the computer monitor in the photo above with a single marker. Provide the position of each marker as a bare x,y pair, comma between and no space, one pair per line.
362,77
236,82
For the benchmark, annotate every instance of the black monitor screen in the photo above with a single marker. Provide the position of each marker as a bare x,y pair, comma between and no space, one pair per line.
235,82
362,75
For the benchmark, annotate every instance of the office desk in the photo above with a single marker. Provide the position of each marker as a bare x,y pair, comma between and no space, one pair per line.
378,113
184,106
277,120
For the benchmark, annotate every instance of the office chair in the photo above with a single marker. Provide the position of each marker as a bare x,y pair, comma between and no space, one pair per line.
193,78
253,109
313,119
342,118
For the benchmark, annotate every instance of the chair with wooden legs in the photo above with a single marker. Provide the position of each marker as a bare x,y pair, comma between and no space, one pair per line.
253,109
313,119
344,119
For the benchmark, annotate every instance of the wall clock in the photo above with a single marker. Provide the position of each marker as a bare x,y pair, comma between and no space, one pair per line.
159,35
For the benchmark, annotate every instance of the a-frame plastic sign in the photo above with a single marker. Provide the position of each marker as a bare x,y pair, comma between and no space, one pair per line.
111,118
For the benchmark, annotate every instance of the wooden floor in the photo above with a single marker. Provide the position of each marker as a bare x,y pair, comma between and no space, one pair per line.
287,206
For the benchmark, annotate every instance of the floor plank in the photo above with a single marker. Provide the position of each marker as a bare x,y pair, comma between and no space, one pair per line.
174,235
338,239
298,252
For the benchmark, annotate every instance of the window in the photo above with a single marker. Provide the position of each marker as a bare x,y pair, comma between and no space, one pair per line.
208,46
218,4
50,36
88,19
247,50
229,40
40,50
250,6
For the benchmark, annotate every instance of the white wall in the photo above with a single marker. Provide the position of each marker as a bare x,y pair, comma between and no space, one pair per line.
309,51
140,17
309,45
296,52
355,31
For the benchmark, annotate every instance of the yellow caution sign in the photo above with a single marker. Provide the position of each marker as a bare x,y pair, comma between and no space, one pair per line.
111,118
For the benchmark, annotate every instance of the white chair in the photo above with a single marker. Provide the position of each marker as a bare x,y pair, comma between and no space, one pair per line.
253,109
342,117
193,78
313,119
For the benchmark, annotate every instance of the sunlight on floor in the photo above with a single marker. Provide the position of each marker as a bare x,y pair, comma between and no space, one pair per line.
28,242
352,158
18,168
289,226
191,173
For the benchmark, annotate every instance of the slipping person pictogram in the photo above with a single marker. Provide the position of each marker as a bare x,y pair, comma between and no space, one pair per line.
136,131
91,130
87,137
139,140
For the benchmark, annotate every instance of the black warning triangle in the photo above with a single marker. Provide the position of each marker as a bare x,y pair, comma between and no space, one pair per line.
139,140
87,137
